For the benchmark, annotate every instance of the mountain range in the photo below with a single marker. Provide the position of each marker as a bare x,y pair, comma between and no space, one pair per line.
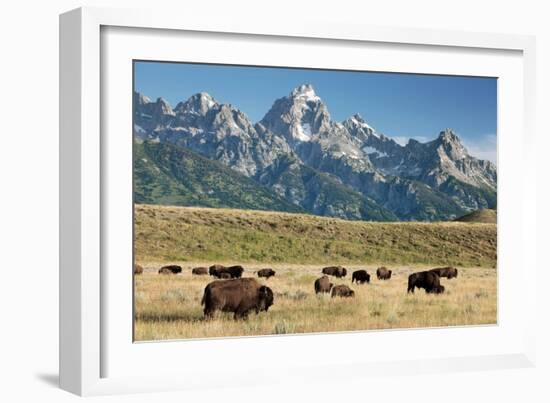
297,159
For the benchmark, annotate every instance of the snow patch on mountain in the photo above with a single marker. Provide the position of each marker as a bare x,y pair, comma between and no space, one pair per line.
302,132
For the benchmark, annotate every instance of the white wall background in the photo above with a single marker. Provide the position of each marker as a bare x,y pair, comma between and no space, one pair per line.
29,201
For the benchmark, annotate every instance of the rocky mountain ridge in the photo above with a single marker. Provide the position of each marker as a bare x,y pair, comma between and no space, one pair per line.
297,140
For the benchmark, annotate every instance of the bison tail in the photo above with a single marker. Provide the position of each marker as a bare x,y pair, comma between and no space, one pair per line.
410,287
203,300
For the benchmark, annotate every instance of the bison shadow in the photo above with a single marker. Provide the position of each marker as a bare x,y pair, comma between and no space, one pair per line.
171,317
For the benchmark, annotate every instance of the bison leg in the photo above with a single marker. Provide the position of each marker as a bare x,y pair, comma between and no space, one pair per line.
208,313
241,312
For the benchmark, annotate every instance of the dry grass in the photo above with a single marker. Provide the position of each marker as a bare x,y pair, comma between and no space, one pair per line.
297,246
168,307
166,234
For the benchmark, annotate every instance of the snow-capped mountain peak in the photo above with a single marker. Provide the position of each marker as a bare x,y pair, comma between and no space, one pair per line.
357,123
451,144
448,135
142,99
199,103
298,117
305,92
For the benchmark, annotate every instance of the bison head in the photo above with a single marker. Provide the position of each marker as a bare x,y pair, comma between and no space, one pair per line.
344,272
265,298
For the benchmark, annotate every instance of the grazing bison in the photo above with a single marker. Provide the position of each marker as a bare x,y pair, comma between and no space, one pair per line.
138,269
215,269
383,273
427,280
199,271
448,272
170,269
336,271
266,273
360,277
218,271
235,271
323,284
342,291
239,296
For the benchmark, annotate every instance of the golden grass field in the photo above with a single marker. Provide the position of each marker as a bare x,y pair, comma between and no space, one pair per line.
168,306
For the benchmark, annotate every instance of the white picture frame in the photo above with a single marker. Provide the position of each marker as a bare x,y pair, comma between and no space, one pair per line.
93,339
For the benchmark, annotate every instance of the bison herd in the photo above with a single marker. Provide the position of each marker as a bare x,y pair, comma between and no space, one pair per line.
232,293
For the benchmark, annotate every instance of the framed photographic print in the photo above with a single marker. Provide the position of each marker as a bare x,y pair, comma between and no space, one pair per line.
255,193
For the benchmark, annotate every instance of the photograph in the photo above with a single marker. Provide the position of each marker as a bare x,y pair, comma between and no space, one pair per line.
273,200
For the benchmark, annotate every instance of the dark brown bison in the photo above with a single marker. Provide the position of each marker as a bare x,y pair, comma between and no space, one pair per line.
235,271
199,271
448,272
360,277
266,273
342,291
323,284
138,269
215,269
239,296
336,271
383,273
427,280
218,270
170,269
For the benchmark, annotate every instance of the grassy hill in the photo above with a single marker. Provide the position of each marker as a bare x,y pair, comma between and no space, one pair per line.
488,216
181,234
169,175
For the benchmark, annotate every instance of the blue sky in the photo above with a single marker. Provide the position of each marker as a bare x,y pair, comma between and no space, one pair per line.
401,106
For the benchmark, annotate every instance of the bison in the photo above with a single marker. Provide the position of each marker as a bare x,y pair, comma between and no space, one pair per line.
383,273
360,277
239,296
336,271
138,269
218,271
342,291
170,269
199,271
235,271
323,285
427,280
448,272
215,269
266,273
